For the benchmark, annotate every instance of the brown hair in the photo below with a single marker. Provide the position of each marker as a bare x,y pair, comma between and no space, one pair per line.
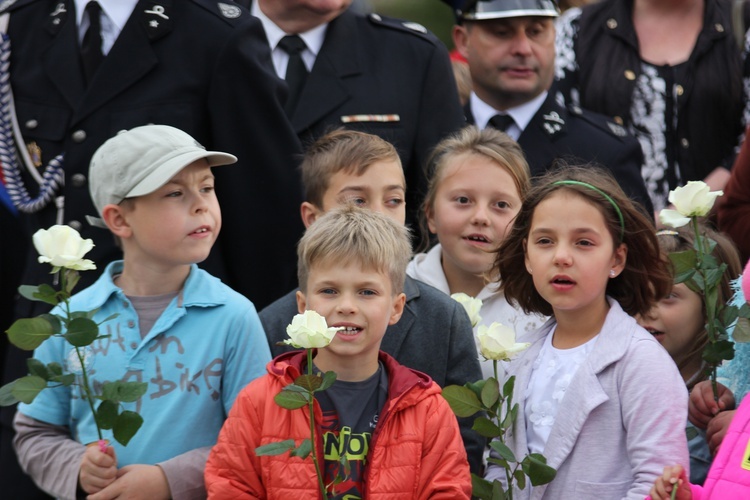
341,150
490,143
645,278
356,235
725,252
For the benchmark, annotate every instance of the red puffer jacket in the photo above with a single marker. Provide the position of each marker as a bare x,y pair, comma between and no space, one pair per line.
416,450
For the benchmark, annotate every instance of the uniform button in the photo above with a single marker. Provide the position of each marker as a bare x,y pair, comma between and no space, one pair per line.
618,120
630,74
133,345
75,225
31,124
719,28
684,143
131,324
125,304
679,90
611,23
78,180
79,136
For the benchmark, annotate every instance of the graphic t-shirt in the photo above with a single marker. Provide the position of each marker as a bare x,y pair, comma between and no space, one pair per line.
350,414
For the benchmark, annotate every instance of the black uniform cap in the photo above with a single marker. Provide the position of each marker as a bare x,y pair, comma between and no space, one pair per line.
480,10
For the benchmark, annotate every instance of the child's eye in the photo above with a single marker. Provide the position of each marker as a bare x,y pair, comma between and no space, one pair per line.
327,291
586,243
394,202
207,189
502,205
462,200
360,202
543,241
369,292
174,194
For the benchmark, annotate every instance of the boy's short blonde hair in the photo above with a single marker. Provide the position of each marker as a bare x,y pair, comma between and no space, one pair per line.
356,235
341,150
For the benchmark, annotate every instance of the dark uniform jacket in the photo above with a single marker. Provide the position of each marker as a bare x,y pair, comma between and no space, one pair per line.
434,336
199,65
578,136
372,68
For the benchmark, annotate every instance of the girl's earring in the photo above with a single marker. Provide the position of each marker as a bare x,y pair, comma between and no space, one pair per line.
611,273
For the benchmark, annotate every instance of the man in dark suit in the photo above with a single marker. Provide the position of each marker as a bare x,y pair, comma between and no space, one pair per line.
510,49
370,73
200,65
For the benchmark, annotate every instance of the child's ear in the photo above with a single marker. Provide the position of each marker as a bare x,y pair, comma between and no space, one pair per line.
398,308
429,215
526,256
620,258
114,217
309,213
301,302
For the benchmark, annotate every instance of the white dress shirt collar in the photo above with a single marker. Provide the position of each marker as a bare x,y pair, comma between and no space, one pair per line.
522,114
313,38
116,14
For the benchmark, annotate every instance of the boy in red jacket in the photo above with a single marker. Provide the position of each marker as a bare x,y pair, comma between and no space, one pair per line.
399,436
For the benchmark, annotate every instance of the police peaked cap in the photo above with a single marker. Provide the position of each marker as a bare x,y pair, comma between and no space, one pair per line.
480,10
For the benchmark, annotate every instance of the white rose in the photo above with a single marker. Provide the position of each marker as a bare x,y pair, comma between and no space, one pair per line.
673,218
694,199
498,342
309,330
472,306
62,246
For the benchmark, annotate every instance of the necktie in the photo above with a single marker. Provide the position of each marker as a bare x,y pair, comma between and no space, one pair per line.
91,46
502,122
296,72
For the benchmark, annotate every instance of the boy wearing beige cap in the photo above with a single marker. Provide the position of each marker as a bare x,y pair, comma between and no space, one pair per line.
194,340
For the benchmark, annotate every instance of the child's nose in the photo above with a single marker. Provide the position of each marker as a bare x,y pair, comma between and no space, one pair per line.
480,216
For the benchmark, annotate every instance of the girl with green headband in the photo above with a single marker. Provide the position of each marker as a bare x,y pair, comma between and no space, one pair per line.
598,396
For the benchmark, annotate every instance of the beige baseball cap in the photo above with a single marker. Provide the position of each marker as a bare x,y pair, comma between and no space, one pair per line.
139,161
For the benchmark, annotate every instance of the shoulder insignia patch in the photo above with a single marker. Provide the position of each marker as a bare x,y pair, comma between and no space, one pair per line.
552,123
616,129
415,26
229,11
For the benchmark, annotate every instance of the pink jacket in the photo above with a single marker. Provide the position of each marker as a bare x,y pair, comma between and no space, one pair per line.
729,475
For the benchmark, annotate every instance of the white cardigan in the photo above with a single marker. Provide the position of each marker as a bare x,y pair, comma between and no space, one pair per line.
427,268
621,421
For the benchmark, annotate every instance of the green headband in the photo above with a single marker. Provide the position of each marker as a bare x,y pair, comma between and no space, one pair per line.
608,197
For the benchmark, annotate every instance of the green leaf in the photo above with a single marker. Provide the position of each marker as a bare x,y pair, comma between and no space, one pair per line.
71,280
683,262
463,401
123,392
309,382
38,368
508,386
486,427
106,414
42,293
291,400
490,392
54,368
303,450
276,448
108,318
520,477
126,425
481,488
729,315
741,333
6,394
328,379
54,321
715,353
66,380
745,310
476,387
503,450
29,333
535,466
25,389
81,332
685,277
498,493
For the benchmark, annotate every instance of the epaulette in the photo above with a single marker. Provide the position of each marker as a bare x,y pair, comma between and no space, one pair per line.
224,9
11,5
403,26
600,121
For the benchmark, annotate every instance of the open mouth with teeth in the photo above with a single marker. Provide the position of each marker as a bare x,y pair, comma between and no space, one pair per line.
349,330
658,335
478,238
200,231
563,281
